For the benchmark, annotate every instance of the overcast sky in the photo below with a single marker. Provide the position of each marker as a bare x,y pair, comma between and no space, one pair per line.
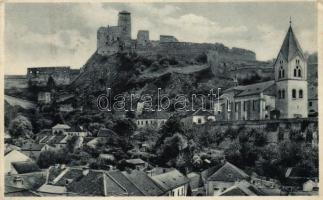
65,34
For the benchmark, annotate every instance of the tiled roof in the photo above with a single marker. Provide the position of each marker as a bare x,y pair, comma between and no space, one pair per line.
290,47
242,188
32,147
144,183
131,188
25,167
136,161
96,183
256,88
228,173
171,180
208,172
61,126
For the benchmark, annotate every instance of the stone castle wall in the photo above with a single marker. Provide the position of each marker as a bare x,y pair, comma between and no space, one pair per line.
188,51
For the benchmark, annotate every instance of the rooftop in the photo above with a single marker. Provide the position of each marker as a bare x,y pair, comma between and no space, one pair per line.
144,183
25,167
171,180
290,47
228,173
61,126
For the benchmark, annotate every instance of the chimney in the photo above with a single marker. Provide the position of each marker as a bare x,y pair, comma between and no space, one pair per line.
18,182
85,171
128,170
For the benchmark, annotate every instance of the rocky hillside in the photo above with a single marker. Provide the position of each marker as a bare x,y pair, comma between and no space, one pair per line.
130,73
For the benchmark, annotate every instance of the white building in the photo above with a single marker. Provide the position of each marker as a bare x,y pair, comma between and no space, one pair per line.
60,128
152,120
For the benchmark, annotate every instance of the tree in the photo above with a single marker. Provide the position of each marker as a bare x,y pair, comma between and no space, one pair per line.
70,143
48,158
171,147
20,127
95,127
124,128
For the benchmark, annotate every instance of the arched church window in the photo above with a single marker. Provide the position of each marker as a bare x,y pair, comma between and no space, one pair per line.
283,94
281,72
299,73
279,94
294,94
300,93
295,72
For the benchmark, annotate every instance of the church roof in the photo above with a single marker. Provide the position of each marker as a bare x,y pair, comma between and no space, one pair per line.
290,46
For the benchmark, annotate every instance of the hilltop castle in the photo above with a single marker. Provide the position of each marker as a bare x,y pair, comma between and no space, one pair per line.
114,39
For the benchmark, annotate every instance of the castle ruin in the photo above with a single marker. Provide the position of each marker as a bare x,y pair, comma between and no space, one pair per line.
116,39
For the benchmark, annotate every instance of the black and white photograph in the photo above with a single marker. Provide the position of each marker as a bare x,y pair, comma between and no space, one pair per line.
130,99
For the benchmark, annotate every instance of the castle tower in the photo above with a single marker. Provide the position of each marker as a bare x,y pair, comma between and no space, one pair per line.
291,78
124,21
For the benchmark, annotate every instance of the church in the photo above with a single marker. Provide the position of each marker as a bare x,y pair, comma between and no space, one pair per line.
284,97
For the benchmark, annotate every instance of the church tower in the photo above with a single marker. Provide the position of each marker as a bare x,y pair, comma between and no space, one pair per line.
291,78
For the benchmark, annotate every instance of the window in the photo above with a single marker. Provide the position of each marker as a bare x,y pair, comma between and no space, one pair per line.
254,102
295,72
199,121
310,103
244,106
279,94
142,122
146,122
283,94
294,94
300,93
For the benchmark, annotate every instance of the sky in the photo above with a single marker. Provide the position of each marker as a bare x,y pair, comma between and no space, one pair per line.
64,34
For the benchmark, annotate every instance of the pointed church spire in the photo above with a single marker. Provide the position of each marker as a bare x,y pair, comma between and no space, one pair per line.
290,21
290,46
